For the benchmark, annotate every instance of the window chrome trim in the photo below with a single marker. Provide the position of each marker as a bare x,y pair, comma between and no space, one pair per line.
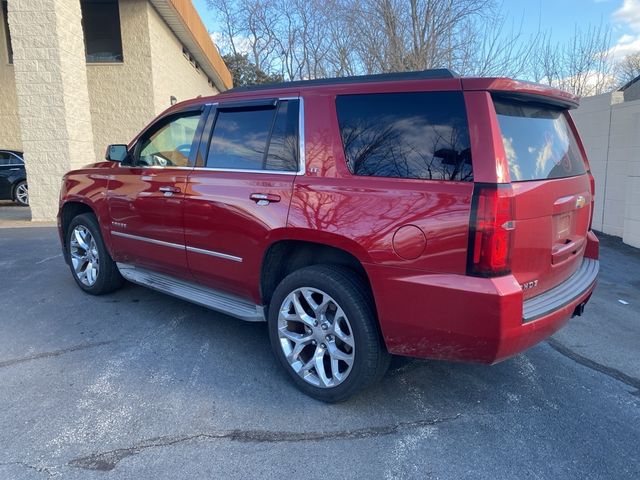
212,253
301,154
240,170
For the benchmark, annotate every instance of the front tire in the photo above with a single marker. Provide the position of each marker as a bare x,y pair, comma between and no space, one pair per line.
92,267
324,332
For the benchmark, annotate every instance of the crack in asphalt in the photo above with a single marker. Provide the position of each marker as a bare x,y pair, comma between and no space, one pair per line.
106,461
593,365
43,470
55,353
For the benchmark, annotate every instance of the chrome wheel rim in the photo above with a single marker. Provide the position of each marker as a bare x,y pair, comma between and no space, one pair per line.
22,194
84,255
316,337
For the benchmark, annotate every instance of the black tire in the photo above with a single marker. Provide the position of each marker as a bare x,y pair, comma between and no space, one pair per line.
108,278
19,198
352,294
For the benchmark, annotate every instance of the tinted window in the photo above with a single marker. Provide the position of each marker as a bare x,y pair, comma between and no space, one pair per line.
409,135
538,142
7,158
101,25
283,146
170,143
255,139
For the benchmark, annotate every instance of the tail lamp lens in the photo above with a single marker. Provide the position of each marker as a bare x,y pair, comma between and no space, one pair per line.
491,231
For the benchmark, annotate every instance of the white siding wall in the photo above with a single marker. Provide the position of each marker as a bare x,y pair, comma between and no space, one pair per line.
173,74
610,130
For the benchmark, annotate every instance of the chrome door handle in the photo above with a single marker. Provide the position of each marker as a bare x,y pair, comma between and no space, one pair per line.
169,190
264,198
13,169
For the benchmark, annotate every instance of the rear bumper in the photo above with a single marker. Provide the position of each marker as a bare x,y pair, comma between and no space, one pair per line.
461,318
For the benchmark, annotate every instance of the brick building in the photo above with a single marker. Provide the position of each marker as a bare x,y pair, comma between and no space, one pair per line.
77,75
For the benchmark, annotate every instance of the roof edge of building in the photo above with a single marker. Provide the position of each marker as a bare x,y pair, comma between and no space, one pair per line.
185,22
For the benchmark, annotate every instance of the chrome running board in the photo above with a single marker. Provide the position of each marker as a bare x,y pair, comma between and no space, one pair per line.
194,293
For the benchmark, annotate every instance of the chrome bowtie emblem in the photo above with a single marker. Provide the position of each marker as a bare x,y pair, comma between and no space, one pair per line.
580,201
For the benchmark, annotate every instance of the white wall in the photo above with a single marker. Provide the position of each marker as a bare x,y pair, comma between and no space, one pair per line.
610,130
9,120
173,74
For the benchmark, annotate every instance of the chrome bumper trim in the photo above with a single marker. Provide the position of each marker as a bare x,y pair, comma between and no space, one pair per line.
563,294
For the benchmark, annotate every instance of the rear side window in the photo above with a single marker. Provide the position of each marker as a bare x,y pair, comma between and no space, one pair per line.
420,135
538,141
256,139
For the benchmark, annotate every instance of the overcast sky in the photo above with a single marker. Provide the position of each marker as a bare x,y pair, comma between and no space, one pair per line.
558,15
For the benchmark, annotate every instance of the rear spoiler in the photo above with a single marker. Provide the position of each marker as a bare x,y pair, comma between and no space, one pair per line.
520,90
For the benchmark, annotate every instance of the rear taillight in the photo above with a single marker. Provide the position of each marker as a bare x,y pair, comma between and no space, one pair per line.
490,230
592,185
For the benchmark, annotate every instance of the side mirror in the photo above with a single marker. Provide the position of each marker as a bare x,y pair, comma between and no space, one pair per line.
116,153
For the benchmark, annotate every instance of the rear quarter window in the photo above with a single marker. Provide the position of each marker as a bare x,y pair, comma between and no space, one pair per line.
421,135
538,141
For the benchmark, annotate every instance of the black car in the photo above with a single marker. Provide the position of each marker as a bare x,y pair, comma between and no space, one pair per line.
13,178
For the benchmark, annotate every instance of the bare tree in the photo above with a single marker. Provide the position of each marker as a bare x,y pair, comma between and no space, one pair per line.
627,69
581,66
303,39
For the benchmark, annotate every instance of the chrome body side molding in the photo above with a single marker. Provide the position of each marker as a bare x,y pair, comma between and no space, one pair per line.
562,294
211,253
194,293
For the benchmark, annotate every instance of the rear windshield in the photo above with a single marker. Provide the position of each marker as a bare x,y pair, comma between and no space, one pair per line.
538,142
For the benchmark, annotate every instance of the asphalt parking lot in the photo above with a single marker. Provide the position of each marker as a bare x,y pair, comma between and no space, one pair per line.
140,385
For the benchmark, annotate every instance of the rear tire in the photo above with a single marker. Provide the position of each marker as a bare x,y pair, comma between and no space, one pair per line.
324,332
92,267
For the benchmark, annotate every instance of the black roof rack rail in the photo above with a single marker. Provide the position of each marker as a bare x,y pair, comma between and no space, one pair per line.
380,77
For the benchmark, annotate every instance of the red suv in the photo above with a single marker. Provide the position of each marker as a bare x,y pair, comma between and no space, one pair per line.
417,214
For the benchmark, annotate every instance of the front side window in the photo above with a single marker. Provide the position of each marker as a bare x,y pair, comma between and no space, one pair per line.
422,135
262,138
538,141
170,144
101,25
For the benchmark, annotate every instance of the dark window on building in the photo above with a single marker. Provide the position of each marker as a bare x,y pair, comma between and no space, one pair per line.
420,135
256,139
101,25
5,20
538,141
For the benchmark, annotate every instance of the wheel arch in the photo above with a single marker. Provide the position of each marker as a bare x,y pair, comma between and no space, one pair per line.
71,209
286,255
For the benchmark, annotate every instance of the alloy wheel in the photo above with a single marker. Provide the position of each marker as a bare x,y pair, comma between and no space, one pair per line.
22,194
84,255
316,337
